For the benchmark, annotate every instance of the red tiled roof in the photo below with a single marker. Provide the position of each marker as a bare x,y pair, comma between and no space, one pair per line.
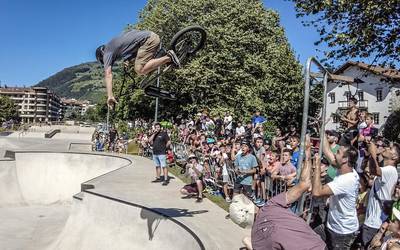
387,72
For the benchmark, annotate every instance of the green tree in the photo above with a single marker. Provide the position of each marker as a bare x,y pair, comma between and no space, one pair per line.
247,63
355,28
7,109
91,115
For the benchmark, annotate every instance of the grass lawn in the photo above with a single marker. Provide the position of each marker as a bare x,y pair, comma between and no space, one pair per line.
133,148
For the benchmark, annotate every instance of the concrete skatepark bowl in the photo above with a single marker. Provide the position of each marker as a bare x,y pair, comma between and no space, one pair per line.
47,203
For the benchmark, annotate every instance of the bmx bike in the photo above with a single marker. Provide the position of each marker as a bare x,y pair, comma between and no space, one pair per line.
185,44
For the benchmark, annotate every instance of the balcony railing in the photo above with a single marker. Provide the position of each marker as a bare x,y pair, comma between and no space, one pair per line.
346,104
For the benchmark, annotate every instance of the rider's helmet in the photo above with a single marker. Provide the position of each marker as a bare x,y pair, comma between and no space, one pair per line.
100,53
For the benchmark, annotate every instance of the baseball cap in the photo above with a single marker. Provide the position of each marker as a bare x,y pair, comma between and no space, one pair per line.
242,211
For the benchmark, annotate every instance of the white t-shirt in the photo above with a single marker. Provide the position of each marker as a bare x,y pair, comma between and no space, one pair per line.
342,215
240,130
384,186
193,173
228,122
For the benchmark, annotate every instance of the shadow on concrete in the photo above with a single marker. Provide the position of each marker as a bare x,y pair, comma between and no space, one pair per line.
155,215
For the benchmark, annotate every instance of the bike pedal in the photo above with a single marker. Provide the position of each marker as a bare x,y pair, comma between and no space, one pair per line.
159,92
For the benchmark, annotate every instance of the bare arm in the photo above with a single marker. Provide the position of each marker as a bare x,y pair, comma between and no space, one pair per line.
108,79
328,153
250,171
377,240
373,163
151,138
318,189
305,182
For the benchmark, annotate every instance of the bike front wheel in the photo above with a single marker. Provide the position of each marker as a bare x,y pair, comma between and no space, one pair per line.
188,41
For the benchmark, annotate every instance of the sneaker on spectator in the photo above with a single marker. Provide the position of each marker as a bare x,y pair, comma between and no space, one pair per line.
228,200
157,179
199,199
259,202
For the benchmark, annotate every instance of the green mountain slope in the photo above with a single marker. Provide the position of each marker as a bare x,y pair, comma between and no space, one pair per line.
82,82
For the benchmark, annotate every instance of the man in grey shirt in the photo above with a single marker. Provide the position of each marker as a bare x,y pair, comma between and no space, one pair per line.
134,45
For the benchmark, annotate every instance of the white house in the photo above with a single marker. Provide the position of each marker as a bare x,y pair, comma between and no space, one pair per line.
379,93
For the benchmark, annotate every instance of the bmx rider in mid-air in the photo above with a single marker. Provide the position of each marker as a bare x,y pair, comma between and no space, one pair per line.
133,46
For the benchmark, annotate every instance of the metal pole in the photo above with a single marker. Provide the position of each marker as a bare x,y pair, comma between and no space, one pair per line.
158,85
108,117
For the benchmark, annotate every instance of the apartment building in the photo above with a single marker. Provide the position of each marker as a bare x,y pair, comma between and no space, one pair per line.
75,105
35,104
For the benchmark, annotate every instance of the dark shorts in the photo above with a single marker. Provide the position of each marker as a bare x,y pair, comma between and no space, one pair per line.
261,177
334,240
237,187
191,188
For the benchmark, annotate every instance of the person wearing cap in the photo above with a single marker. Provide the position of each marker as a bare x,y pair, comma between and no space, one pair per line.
195,171
381,190
246,165
333,138
276,226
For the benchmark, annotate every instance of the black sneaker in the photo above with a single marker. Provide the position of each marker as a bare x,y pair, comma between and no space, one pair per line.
174,58
158,179
199,199
165,183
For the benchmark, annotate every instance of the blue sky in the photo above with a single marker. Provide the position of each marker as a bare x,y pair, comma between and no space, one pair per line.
39,38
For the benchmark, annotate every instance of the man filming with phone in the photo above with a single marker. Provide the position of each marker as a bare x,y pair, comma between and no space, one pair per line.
160,142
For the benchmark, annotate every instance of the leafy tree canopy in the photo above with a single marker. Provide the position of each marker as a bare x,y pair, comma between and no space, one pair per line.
247,63
355,28
7,109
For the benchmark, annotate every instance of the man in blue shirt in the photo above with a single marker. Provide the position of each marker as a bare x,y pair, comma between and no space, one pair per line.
245,165
257,118
294,142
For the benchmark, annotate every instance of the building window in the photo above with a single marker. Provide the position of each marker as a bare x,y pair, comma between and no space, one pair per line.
379,95
376,118
360,95
332,97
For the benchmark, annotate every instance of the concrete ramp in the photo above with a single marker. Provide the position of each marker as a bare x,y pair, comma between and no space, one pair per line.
44,178
52,200
110,224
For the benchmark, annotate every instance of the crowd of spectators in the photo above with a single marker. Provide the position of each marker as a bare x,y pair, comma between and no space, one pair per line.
109,141
354,184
